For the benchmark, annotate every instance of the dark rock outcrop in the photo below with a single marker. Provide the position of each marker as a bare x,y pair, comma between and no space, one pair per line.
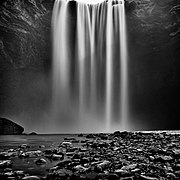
32,133
7,127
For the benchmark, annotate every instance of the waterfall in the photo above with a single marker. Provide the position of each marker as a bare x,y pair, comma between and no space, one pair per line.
90,73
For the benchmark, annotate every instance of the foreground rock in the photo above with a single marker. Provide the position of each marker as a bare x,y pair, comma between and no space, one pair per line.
117,156
8,127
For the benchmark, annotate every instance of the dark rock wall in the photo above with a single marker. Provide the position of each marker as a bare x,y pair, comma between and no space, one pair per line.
154,54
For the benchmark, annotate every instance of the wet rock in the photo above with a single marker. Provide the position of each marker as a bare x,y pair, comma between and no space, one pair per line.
176,167
83,149
80,168
80,135
4,156
48,151
164,158
85,160
147,178
89,136
69,139
20,173
102,166
171,176
112,176
5,163
176,152
24,146
103,136
77,156
9,174
62,174
69,153
57,157
31,178
42,146
53,169
75,141
64,163
66,143
129,167
7,170
40,161
123,173
27,154
127,178
120,134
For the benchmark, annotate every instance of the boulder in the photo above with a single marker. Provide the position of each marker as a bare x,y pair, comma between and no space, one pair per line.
8,127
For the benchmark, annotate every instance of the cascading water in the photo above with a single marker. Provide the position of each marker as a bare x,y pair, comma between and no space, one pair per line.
98,84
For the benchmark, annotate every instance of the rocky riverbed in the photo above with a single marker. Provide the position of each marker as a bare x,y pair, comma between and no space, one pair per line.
121,156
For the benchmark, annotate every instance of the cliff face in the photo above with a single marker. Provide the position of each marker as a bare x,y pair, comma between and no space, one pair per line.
8,127
24,30
154,52
25,54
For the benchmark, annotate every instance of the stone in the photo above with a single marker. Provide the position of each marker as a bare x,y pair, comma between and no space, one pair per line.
122,134
5,163
127,178
24,146
80,135
9,173
69,139
112,176
57,157
31,178
148,178
89,136
176,152
80,168
102,165
63,163
164,158
48,151
42,146
40,161
129,167
35,153
7,170
19,173
123,173
59,174
8,127
66,143
4,156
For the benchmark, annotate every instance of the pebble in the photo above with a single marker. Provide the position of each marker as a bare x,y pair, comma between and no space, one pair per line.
5,163
40,161
31,178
